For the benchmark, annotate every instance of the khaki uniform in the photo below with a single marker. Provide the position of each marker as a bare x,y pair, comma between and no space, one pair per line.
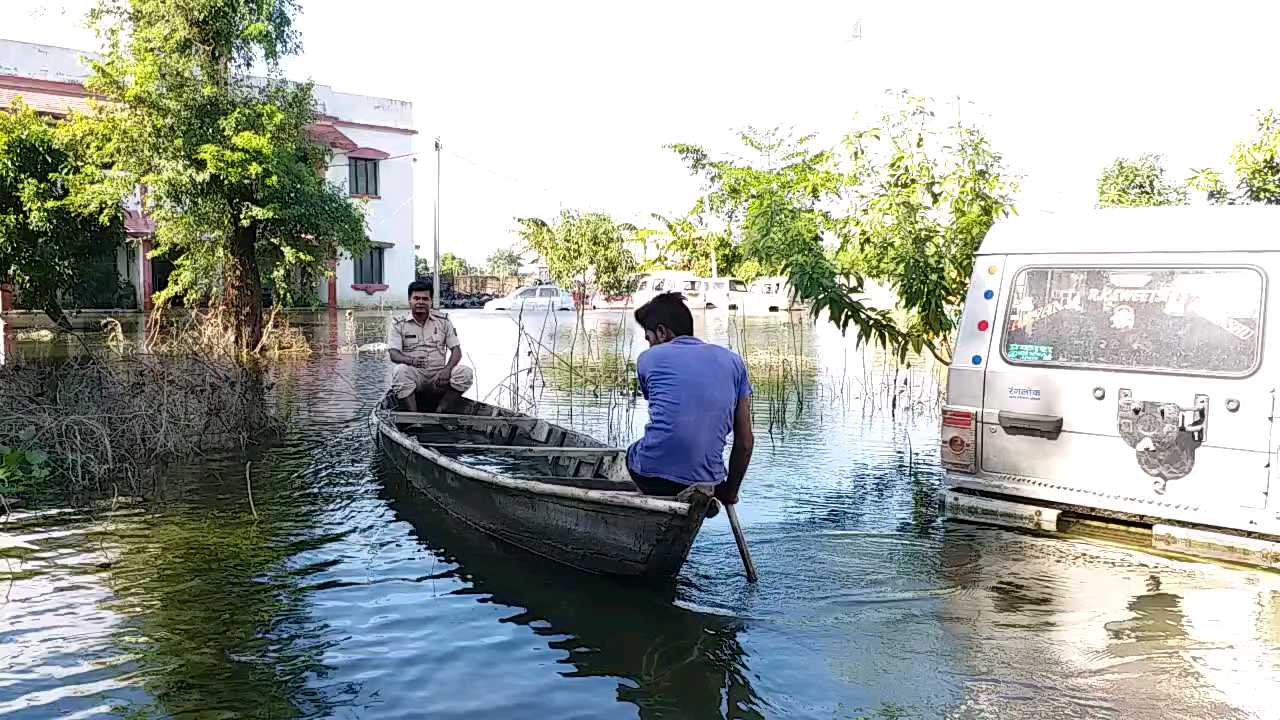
431,341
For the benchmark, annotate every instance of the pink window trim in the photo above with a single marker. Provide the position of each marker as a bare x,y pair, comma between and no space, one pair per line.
368,153
362,196
370,288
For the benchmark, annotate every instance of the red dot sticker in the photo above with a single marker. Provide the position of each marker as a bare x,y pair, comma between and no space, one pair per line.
983,325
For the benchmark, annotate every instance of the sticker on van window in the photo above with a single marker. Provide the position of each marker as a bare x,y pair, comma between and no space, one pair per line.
1029,352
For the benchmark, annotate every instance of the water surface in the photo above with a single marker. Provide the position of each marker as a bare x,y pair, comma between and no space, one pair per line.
351,597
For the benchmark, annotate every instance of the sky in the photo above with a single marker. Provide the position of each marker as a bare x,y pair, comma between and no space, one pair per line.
567,105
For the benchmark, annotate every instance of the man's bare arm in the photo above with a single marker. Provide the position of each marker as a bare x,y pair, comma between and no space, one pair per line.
740,456
399,357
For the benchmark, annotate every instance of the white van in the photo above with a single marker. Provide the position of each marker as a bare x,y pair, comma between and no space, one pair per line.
723,293
663,281
1116,365
769,295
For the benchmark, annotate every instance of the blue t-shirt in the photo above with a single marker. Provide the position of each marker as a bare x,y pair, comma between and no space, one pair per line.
693,389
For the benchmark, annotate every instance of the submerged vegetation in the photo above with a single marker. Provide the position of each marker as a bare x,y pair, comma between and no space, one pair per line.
113,416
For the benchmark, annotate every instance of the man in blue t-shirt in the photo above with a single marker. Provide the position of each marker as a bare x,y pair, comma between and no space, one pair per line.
698,393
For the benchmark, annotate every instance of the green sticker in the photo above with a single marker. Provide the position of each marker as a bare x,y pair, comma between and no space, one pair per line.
1030,352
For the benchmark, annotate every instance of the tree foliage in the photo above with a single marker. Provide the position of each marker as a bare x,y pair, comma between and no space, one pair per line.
920,199
1256,162
452,266
1138,182
58,212
688,245
588,250
422,267
234,182
504,262
900,201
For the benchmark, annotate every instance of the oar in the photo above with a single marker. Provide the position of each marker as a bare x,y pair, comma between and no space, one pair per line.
741,539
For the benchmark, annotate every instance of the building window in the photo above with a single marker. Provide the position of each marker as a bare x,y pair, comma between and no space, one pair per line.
368,267
364,176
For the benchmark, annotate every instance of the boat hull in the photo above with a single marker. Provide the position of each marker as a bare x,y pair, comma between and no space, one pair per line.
597,531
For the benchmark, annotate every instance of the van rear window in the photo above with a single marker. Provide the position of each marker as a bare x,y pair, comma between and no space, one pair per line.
1185,320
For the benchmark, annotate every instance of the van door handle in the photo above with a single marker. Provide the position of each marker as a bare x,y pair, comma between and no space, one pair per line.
1043,426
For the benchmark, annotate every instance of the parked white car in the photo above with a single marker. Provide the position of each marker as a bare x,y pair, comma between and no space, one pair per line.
538,298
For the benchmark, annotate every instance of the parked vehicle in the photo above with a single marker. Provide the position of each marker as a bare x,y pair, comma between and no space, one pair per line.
663,281
601,301
1115,365
769,295
722,293
534,299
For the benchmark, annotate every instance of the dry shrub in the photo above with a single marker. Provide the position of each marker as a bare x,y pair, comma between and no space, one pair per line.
212,334
110,419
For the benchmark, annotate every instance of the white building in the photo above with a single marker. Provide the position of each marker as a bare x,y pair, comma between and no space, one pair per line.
372,140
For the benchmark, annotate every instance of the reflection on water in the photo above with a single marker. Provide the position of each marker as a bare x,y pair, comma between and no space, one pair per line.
348,596
666,660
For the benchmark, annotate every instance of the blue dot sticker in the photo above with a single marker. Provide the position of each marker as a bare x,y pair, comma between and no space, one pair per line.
988,294
977,359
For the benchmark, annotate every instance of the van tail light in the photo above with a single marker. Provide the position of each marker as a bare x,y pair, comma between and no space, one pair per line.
959,439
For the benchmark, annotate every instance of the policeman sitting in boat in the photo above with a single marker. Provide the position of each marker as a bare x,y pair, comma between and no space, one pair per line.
698,393
426,350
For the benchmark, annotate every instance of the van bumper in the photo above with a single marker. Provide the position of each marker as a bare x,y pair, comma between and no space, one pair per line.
1006,513
968,498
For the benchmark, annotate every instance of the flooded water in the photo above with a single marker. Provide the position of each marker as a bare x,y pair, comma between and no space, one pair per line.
350,597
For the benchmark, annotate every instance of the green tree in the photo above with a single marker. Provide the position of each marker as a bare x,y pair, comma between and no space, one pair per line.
452,266
1257,162
920,198
58,212
691,247
1138,182
1256,165
422,267
234,182
588,250
905,202
504,262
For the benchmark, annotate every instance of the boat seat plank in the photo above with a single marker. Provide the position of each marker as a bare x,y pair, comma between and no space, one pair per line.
587,483
408,418
530,450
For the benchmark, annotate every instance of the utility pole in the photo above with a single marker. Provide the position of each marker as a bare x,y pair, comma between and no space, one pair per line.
435,264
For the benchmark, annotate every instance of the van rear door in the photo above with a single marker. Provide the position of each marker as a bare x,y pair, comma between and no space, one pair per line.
1137,383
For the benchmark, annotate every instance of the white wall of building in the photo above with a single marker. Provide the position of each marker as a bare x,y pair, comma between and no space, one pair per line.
42,62
389,218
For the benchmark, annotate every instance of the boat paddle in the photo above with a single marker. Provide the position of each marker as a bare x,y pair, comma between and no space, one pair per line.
741,539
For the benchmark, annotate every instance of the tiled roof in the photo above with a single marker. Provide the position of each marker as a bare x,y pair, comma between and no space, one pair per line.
331,136
47,103
137,223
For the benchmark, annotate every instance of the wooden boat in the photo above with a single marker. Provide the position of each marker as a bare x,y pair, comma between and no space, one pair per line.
541,487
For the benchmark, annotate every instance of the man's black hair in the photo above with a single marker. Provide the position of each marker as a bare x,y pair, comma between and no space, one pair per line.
666,309
421,286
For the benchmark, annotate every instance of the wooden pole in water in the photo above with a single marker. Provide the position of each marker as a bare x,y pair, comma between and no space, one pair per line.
741,539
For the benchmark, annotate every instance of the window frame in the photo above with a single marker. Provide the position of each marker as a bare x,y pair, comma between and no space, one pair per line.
1139,268
372,186
359,263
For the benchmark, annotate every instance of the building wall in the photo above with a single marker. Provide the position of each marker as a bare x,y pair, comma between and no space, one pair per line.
42,62
389,217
